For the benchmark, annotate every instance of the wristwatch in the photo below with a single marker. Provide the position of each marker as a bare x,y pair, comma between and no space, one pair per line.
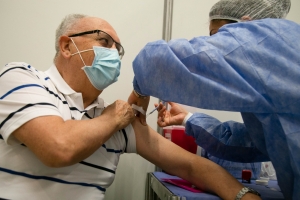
245,190
139,95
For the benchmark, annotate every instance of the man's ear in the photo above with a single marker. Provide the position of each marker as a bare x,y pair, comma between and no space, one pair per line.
64,46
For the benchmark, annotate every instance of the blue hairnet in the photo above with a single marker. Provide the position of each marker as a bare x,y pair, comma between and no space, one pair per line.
255,9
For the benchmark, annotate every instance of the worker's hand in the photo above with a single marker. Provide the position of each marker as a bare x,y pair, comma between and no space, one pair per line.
121,112
141,102
174,116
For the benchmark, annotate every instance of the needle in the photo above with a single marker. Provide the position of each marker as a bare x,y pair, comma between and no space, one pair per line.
152,111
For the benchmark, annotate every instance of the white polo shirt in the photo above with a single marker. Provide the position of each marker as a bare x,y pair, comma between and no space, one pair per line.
26,93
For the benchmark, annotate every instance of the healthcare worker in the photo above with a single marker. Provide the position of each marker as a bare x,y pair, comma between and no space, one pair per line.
250,67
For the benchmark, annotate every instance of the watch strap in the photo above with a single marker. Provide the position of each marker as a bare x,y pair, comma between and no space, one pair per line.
244,191
139,95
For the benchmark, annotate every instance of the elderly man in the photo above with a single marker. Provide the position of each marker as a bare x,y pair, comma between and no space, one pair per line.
60,140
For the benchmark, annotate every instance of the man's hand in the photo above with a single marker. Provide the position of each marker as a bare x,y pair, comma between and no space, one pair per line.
174,116
141,102
121,112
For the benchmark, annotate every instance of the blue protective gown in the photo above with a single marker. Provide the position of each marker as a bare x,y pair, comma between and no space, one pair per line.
249,67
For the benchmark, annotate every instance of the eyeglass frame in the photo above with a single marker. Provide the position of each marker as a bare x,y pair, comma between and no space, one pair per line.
99,31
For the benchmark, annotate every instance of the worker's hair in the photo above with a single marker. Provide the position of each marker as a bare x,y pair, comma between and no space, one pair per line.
227,21
65,27
254,9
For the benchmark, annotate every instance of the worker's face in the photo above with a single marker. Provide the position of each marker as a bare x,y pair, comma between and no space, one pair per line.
214,25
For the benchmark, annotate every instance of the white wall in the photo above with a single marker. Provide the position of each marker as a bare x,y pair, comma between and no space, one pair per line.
28,30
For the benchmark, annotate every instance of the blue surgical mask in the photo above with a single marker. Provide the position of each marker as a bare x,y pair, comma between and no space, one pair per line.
105,68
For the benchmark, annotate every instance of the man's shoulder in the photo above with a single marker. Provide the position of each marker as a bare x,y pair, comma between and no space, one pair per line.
17,65
19,68
18,74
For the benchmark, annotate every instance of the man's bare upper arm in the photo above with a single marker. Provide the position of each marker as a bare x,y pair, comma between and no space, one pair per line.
160,151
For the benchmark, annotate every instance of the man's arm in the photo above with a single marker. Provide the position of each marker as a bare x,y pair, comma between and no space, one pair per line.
59,143
141,101
201,172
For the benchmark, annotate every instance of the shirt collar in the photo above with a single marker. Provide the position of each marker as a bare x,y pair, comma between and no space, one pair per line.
64,88
58,81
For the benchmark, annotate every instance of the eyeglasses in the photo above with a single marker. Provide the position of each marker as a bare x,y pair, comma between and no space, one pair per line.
104,39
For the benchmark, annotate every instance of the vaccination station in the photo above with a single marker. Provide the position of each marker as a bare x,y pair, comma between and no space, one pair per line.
150,100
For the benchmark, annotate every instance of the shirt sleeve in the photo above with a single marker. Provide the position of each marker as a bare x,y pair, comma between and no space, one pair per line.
131,140
23,97
228,140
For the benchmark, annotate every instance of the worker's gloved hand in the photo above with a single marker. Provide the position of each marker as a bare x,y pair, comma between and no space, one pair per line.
140,101
120,112
174,116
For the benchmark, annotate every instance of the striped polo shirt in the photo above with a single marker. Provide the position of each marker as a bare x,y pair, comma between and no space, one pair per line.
26,93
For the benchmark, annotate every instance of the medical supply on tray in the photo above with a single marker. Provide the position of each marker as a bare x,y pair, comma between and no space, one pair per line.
246,175
262,181
268,171
183,184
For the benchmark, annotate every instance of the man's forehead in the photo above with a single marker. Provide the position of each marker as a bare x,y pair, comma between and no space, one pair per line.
94,23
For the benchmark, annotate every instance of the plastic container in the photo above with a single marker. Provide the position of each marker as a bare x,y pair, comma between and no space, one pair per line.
262,181
177,135
268,171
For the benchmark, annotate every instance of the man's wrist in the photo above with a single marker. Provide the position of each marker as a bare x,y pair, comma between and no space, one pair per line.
244,191
140,95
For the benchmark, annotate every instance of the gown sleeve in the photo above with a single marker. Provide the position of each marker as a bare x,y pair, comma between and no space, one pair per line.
227,71
228,140
202,73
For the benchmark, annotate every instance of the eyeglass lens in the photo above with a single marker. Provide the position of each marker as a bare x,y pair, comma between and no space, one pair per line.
107,41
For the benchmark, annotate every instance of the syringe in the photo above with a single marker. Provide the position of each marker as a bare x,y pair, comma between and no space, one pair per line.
153,110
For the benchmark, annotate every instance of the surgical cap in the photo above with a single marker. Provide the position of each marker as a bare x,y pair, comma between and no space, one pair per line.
255,9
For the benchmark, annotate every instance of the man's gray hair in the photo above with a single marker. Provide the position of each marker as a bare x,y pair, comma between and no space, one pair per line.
65,27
